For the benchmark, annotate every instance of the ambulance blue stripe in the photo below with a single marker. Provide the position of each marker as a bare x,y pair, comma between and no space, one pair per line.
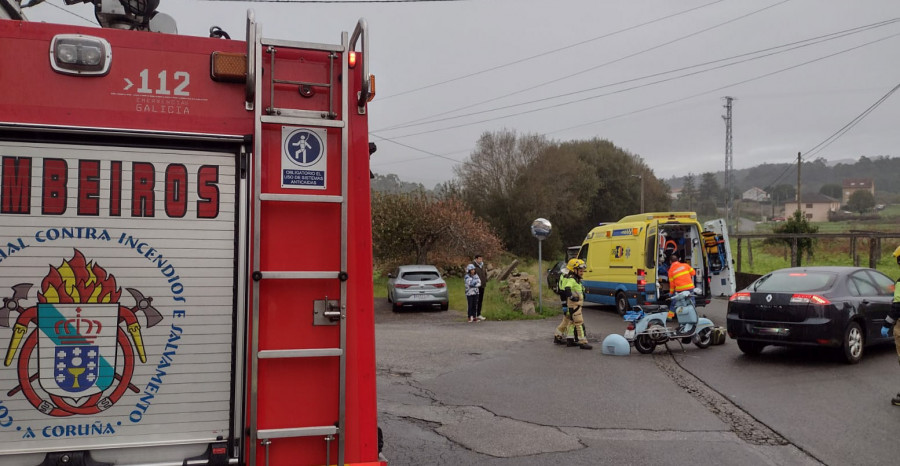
604,292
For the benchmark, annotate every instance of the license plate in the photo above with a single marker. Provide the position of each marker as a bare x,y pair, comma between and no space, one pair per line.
773,331
629,334
420,296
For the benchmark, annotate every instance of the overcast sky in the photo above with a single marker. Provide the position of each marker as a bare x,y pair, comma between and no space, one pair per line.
648,75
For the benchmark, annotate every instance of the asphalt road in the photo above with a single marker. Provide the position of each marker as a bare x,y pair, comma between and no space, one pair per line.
501,393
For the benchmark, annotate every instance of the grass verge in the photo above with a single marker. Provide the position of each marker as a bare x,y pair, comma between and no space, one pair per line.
495,305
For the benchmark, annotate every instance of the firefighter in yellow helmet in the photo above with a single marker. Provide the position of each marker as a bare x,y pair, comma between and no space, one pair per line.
572,294
891,320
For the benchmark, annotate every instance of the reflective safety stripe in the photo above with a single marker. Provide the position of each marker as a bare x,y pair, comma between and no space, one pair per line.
568,282
680,277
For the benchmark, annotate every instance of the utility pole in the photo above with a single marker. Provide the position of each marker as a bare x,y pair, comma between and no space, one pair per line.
799,164
729,163
642,193
641,177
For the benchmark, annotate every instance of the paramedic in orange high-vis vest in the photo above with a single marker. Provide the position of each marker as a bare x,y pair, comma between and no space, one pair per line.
681,276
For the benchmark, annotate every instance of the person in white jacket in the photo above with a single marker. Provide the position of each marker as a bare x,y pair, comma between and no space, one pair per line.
473,283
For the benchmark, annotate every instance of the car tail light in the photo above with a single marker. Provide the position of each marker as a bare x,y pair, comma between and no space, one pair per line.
743,296
630,326
808,299
401,286
439,285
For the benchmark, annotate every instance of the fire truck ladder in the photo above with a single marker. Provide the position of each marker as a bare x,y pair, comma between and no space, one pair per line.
327,310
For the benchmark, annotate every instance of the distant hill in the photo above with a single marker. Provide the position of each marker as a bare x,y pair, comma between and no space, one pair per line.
391,183
832,163
882,169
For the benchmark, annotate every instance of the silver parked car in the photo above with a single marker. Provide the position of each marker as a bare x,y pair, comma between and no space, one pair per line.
417,285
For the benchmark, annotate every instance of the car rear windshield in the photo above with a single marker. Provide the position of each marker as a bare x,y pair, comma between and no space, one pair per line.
421,276
794,282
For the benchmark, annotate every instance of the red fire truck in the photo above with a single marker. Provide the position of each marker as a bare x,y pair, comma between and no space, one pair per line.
185,245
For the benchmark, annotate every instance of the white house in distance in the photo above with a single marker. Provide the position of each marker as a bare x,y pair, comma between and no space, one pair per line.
674,194
755,194
814,206
852,185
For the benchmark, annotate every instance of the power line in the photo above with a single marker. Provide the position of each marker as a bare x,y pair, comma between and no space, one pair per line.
837,134
92,22
721,88
765,75
431,154
523,60
716,90
592,68
834,137
810,152
787,48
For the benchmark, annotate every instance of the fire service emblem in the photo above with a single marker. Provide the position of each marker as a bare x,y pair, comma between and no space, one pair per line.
75,349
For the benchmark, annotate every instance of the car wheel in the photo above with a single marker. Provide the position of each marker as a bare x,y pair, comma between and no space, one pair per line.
389,297
853,343
703,338
397,307
751,348
622,303
445,306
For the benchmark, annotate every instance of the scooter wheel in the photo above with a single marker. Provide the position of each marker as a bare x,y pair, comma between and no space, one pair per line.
703,338
644,344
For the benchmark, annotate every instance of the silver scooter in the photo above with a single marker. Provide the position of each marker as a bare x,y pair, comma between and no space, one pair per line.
646,330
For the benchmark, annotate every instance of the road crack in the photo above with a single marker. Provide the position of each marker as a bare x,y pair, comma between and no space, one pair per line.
745,426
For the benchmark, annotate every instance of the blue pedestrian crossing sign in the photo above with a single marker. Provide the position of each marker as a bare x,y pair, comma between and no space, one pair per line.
304,158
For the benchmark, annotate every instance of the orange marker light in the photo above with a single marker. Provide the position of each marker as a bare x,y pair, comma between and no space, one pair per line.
228,67
351,59
371,88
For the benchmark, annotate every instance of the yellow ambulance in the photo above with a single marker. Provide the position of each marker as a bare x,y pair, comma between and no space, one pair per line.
625,259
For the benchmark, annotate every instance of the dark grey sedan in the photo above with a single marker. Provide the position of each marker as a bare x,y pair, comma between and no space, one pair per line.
553,273
841,307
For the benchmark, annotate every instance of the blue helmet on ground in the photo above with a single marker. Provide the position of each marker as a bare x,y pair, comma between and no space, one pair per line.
616,345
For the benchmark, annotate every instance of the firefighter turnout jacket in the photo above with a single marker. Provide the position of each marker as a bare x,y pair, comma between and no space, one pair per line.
569,286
